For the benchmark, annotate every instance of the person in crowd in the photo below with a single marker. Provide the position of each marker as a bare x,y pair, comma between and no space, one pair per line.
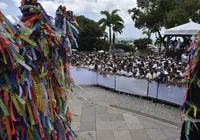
149,76
138,65
178,44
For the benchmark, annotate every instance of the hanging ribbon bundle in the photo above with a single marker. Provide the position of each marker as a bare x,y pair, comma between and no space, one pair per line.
35,84
64,21
191,107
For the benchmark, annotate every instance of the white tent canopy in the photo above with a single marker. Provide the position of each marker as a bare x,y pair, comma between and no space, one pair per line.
190,28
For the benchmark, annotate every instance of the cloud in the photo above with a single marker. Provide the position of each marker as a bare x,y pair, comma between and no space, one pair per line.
3,5
9,17
95,6
92,8
85,6
17,2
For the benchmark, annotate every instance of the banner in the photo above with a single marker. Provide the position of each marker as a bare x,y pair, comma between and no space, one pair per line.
106,81
131,85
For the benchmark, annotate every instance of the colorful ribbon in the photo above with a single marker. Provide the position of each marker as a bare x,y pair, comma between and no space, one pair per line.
34,75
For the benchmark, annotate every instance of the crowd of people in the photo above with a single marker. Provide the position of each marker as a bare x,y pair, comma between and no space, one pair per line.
151,66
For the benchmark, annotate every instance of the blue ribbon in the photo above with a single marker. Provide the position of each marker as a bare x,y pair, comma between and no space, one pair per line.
10,24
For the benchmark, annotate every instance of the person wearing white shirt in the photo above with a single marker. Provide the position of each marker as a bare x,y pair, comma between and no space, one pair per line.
91,67
149,76
154,75
129,73
155,65
118,72
122,72
137,73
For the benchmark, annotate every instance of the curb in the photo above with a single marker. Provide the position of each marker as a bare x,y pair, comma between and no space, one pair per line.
146,115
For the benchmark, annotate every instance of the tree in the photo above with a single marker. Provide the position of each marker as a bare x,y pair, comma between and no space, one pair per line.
142,43
111,20
155,14
105,36
147,33
90,34
117,28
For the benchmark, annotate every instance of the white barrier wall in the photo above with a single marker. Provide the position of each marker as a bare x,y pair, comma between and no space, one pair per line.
152,91
131,85
83,77
172,94
106,81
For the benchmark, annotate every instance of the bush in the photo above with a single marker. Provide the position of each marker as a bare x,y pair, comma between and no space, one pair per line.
125,47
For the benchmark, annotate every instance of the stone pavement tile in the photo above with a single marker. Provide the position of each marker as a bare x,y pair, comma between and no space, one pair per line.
117,117
76,111
88,118
166,125
87,126
90,110
122,135
101,109
105,135
75,106
102,117
113,111
103,125
171,133
156,134
87,135
76,102
76,118
147,123
132,121
75,126
119,125
87,105
139,134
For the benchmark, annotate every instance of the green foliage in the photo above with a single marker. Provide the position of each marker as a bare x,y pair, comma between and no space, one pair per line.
142,43
90,35
113,21
147,33
155,14
125,47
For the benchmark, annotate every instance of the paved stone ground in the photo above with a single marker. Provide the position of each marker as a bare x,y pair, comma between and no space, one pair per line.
98,121
98,94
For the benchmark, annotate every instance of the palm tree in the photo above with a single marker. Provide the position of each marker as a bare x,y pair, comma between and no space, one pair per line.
111,19
147,33
117,28
105,36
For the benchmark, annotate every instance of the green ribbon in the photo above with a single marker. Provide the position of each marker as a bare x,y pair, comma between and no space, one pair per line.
3,108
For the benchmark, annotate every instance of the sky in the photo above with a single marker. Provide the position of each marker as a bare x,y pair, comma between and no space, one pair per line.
89,8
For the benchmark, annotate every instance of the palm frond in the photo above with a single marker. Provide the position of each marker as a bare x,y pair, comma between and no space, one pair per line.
117,18
114,12
104,22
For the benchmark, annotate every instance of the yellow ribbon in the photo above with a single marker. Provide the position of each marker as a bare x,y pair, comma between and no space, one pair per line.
3,54
31,114
20,99
15,102
27,40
